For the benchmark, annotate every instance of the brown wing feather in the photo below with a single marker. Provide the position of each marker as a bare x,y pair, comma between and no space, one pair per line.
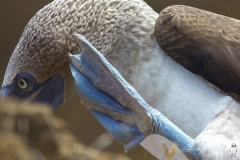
205,43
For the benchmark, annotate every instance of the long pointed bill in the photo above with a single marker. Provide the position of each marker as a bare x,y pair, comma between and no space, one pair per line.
101,82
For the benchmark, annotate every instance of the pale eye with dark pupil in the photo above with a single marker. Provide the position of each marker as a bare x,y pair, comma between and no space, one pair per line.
22,83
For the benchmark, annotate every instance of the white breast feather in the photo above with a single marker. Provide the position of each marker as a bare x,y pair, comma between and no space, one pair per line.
177,93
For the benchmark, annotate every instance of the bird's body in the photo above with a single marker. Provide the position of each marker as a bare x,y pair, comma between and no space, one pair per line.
123,31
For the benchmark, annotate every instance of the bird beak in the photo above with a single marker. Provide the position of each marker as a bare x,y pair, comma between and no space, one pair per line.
50,92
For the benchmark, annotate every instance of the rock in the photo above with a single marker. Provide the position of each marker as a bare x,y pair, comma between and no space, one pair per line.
31,132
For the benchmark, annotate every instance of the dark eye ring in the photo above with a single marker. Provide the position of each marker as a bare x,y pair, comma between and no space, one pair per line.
22,83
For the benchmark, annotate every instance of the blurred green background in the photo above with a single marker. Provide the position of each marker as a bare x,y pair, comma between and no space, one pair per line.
14,15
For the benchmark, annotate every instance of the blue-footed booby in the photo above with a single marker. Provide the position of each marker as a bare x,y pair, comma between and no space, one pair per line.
141,45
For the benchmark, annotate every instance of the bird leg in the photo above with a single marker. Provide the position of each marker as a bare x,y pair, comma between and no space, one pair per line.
118,106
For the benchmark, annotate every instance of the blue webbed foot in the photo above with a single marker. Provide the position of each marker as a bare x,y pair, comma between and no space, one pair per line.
100,105
118,106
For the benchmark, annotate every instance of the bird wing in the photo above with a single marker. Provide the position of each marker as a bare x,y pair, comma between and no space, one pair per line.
203,42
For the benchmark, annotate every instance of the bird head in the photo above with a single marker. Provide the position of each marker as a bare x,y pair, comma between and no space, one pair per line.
38,69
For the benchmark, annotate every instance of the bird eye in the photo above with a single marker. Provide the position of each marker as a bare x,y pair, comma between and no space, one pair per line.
22,83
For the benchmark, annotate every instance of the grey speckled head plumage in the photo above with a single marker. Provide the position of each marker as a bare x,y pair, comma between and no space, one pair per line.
49,36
